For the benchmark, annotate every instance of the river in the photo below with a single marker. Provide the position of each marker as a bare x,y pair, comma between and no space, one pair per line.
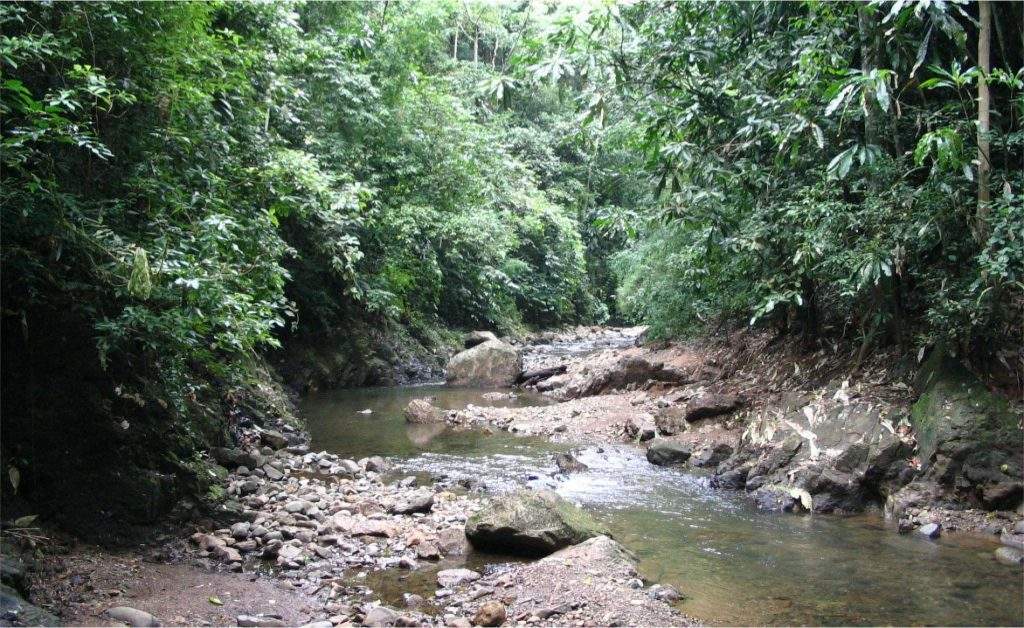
734,564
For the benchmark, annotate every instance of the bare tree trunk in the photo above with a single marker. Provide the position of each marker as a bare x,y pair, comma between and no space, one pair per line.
984,150
455,46
476,45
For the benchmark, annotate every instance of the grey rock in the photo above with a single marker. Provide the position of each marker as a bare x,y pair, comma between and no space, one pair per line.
258,621
240,530
1012,540
530,523
663,453
273,439
1009,556
474,338
710,405
490,363
297,505
417,502
449,578
132,616
567,463
930,530
13,605
380,616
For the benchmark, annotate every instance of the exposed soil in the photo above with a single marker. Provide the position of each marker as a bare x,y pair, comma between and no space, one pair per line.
83,584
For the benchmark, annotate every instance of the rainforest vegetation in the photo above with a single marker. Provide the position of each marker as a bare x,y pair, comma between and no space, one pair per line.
189,188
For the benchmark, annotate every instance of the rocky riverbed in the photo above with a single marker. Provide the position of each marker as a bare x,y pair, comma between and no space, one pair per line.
306,537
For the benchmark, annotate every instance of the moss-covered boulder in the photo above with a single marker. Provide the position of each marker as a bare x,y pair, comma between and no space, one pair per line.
530,523
969,439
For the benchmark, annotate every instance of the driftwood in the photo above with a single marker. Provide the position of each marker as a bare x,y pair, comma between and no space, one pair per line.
531,378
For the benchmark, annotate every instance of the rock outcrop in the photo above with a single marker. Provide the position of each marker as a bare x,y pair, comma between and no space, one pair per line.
530,523
490,363
627,370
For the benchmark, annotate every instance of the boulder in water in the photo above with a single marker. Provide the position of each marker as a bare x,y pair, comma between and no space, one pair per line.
491,363
568,463
421,411
664,453
530,523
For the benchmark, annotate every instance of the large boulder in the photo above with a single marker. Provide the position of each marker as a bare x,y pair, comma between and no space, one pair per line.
421,411
626,371
530,523
710,405
490,363
968,437
474,338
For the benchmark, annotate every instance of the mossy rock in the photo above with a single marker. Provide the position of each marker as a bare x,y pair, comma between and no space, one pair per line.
967,436
530,523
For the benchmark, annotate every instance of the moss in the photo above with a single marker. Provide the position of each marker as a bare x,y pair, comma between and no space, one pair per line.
961,426
216,493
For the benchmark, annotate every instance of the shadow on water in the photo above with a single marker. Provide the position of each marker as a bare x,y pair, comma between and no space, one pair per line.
735,565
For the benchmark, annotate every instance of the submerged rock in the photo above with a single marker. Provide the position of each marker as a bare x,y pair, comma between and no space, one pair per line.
491,363
448,578
1009,556
530,523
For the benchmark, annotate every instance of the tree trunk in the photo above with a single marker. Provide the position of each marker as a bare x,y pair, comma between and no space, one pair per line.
984,151
455,46
476,45
868,62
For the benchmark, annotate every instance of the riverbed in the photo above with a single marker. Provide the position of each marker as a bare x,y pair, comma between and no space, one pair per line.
734,564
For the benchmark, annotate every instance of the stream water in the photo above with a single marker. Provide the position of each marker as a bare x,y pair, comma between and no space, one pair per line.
734,565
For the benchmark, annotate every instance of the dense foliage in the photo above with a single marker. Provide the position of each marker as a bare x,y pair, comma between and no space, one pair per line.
187,185
817,164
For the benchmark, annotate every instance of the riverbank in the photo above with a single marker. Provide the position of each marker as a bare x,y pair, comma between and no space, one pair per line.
296,538
360,539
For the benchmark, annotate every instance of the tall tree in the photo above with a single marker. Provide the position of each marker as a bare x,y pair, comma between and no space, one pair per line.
984,125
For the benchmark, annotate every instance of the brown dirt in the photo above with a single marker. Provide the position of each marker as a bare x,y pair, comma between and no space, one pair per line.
81,585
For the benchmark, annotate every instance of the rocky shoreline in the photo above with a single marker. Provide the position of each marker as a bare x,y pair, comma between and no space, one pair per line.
937,453
306,529
312,526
